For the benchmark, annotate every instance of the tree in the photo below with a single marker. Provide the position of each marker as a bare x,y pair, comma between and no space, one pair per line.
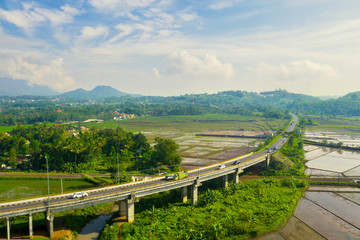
166,153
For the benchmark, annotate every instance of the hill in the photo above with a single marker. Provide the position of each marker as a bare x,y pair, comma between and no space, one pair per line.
11,87
98,92
348,105
231,99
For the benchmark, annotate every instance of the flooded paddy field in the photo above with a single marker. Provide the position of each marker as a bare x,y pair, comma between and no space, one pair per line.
183,130
345,130
348,139
323,161
323,215
205,150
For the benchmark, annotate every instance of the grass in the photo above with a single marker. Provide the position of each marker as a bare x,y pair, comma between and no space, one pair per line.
336,124
195,123
75,220
10,128
6,128
18,188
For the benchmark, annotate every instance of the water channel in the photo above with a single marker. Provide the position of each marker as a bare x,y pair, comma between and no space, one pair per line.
92,230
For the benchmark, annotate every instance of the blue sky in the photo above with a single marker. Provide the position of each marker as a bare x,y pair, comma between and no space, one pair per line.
173,47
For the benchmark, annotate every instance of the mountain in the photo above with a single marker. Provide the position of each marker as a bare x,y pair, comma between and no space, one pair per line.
354,96
99,92
348,105
11,87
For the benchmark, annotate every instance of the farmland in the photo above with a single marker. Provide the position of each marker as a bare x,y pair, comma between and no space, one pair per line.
15,188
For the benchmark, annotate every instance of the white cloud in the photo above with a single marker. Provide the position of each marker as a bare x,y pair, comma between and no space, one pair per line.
57,17
31,16
25,19
52,74
188,16
184,63
154,23
156,73
294,70
133,17
124,31
88,33
217,5
120,7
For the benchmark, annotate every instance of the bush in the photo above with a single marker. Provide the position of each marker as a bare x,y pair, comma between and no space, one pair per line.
240,211
109,233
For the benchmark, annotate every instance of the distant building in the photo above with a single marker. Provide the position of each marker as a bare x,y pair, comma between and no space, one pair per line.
81,128
94,120
121,116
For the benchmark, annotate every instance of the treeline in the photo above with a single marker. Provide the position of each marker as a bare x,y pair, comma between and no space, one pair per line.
28,110
30,113
325,143
94,150
341,107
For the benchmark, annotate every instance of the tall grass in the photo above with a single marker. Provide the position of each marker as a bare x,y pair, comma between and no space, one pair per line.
238,212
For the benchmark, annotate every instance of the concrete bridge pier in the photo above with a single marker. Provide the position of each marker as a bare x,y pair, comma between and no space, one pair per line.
225,179
8,228
194,188
268,156
31,232
130,213
49,220
236,174
122,208
184,194
127,207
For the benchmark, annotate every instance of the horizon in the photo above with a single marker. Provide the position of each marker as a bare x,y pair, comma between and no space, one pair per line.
321,97
172,48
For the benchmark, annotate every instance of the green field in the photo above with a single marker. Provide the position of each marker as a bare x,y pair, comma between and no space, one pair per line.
178,125
18,188
10,128
336,124
6,128
182,129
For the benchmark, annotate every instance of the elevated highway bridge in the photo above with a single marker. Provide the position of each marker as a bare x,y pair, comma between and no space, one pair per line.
127,194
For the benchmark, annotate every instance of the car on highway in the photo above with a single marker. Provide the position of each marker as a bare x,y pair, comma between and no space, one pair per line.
220,167
236,162
79,195
170,177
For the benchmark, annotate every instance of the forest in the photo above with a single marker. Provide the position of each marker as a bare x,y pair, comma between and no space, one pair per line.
81,151
32,109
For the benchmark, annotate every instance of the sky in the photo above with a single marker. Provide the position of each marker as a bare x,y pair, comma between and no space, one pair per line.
175,47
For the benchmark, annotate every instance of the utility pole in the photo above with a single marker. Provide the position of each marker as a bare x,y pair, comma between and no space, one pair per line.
118,170
48,182
220,150
198,160
62,189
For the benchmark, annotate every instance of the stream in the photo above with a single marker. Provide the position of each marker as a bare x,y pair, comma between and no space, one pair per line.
92,230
